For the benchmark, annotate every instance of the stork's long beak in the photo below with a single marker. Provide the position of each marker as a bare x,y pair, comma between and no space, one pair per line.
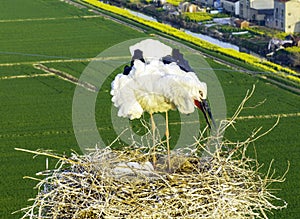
204,107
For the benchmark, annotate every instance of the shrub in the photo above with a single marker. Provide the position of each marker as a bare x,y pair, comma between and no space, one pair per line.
174,2
197,16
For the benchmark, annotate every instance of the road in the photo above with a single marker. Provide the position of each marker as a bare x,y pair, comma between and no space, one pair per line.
262,75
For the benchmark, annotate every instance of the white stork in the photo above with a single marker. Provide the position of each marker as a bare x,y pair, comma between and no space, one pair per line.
157,80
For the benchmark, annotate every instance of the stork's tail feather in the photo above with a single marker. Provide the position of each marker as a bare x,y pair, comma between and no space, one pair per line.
177,57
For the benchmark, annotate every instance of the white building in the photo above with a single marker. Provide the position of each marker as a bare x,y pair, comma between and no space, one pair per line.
262,4
231,6
259,11
208,3
287,15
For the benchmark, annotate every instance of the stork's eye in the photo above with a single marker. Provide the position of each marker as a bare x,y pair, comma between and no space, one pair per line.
201,93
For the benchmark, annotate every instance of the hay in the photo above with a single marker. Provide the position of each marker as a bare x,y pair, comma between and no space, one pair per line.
109,183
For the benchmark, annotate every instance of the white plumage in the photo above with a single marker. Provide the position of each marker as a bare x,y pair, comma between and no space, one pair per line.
158,80
156,87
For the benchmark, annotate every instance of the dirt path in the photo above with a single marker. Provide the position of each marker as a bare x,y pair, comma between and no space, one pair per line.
49,18
66,60
67,77
281,115
233,66
80,6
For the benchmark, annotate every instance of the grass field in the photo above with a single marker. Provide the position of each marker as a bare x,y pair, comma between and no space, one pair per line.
36,111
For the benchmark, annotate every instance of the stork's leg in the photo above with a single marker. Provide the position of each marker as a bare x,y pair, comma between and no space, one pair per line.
168,143
153,139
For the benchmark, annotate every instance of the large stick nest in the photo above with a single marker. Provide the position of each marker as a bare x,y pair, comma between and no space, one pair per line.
110,183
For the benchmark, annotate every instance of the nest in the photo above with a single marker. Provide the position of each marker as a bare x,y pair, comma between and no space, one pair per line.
106,184
110,183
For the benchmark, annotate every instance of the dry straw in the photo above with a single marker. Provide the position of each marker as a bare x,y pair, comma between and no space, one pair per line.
110,183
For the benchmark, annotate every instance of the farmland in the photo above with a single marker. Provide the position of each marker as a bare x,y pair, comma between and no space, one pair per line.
36,110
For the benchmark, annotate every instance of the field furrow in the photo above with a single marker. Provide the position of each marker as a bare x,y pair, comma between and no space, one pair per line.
26,76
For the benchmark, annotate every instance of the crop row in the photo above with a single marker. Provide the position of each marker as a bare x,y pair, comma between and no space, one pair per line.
294,49
247,58
197,16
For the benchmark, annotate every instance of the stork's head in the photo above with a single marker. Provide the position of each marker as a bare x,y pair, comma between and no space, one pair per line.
202,103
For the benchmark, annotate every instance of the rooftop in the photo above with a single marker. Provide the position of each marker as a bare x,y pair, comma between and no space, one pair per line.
231,0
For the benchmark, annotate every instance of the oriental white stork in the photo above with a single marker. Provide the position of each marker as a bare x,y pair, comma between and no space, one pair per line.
158,80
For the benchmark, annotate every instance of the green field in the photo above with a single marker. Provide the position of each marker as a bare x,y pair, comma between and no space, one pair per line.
36,110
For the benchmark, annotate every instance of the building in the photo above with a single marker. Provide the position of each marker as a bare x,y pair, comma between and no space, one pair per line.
189,7
231,6
257,11
208,3
241,23
287,15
